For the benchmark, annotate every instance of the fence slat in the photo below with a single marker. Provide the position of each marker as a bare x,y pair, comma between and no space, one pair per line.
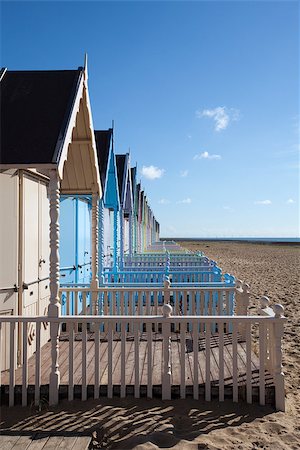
182,361
195,355
84,360
149,359
71,362
110,360
97,360
262,362
221,361
234,362
123,360
37,387
12,364
24,365
136,361
207,363
248,363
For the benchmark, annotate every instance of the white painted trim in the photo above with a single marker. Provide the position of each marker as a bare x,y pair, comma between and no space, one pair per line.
71,125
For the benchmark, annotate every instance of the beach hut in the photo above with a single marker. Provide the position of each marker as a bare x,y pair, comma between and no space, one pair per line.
110,202
126,205
47,150
133,250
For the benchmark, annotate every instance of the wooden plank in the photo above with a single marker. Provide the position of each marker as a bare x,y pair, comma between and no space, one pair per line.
25,365
248,368
195,357
97,361
136,361
207,365
67,442
234,363
81,443
37,387
123,360
71,362
149,360
221,361
182,363
7,442
22,443
110,360
12,362
53,442
38,441
262,356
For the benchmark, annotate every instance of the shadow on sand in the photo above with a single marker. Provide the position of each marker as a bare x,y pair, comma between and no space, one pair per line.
124,424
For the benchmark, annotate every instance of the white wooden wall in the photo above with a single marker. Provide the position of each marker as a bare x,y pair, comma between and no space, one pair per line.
34,264
36,252
9,183
8,237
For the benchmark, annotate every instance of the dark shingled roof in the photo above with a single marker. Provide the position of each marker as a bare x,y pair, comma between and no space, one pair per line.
120,161
103,140
35,108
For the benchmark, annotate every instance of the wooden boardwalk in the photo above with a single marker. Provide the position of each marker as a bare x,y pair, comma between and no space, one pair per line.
45,441
157,350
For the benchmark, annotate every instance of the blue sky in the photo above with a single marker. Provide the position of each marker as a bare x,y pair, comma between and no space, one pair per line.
205,95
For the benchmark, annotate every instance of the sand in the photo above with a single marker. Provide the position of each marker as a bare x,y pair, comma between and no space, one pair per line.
143,424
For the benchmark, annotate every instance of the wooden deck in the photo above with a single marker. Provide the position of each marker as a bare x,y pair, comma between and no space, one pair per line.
45,441
157,350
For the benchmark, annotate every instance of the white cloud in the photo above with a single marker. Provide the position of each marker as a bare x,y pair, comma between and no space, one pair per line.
228,208
152,172
290,201
206,155
263,202
163,201
189,136
185,200
184,173
221,115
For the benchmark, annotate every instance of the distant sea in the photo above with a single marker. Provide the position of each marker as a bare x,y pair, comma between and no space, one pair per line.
278,240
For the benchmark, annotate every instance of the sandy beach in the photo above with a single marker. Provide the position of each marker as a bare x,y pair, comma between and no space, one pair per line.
143,424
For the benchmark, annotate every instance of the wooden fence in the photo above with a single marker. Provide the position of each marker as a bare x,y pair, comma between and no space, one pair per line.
86,354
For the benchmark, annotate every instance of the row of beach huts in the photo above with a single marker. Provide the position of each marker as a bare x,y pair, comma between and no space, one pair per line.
92,302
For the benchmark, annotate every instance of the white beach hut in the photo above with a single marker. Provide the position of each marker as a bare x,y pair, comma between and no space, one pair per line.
47,149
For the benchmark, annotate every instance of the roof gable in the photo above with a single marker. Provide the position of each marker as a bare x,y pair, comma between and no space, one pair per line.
38,104
120,163
104,146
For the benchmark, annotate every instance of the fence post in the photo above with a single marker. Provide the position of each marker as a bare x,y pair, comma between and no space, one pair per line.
242,303
95,252
54,305
278,374
166,375
167,285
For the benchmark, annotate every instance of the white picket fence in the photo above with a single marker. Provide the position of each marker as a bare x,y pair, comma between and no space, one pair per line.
217,299
270,331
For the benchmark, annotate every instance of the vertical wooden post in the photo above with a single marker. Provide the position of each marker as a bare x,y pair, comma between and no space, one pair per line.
167,285
166,375
277,371
54,306
95,245
242,304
